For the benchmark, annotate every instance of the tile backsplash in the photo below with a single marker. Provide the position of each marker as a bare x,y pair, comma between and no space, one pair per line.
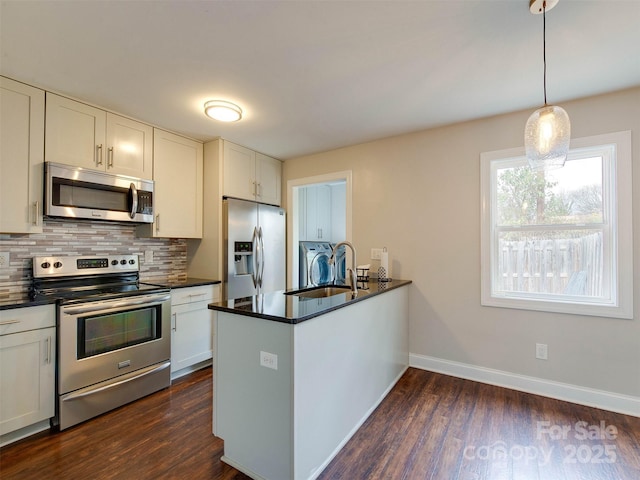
64,237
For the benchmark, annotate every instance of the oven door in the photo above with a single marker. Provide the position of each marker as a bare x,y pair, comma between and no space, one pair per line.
102,340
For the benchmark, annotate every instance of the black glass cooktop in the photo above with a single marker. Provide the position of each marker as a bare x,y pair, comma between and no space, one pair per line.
85,289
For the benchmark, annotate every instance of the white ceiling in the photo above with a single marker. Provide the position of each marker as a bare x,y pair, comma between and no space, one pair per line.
317,75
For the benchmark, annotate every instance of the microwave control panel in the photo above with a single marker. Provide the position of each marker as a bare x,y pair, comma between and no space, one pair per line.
145,202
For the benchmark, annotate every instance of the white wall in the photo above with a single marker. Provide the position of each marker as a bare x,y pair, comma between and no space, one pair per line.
418,194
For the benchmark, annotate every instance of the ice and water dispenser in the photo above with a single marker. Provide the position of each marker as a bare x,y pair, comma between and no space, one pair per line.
243,258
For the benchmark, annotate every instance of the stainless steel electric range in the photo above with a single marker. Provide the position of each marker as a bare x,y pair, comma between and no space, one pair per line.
114,338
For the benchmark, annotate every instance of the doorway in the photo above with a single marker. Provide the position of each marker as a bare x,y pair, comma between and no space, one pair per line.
319,208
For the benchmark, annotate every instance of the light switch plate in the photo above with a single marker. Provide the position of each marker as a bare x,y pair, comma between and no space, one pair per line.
376,253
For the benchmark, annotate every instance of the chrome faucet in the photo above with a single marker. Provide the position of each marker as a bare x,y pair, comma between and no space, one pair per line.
352,270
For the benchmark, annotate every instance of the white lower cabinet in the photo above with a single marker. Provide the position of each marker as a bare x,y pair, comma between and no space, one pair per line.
27,367
191,327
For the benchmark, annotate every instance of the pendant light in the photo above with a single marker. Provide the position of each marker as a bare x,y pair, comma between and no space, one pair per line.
222,110
548,130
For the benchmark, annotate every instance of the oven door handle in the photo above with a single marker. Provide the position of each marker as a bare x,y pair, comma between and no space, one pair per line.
107,306
85,392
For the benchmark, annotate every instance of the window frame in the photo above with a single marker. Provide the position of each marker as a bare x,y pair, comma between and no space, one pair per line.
616,186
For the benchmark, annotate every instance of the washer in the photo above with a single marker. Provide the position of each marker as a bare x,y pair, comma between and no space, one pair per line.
314,264
340,264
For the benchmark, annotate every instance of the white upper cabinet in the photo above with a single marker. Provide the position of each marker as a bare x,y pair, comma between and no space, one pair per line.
269,179
85,136
251,175
178,180
315,224
21,157
239,164
75,133
129,147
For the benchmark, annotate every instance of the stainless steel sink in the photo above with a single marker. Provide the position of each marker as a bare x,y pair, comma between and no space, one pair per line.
321,291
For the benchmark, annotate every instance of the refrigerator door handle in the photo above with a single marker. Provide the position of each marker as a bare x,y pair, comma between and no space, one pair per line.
262,257
254,246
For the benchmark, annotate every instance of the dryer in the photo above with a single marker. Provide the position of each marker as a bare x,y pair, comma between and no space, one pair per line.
340,264
314,264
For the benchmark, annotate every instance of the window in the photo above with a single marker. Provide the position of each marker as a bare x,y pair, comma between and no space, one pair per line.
560,240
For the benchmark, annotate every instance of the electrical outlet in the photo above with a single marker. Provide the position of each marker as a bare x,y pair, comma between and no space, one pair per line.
542,351
376,253
4,260
269,360
148,256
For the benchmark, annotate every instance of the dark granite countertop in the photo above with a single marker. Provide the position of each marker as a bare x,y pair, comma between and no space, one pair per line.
189,282
22,300
292,309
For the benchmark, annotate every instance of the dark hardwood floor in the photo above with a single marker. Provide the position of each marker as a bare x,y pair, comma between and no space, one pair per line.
430,426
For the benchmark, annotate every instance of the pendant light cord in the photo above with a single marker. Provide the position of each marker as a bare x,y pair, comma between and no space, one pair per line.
544,49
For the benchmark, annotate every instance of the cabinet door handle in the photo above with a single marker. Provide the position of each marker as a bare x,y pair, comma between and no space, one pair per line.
99,154
48,350
36,211
9,322
197,294
110,157
175,322
157,223
258,189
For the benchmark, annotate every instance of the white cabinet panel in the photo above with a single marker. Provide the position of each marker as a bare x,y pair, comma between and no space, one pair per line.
269,179
250,175
75,133
129,147
27,367
178,177
239,171
21,157
85,136
192,325
316,222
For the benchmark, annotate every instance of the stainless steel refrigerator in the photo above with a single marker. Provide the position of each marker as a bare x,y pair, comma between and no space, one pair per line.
255,248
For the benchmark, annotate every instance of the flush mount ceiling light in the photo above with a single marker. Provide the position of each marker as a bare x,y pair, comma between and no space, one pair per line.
548,130
222,111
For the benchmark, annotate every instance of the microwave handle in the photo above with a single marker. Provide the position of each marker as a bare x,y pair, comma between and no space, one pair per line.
134,203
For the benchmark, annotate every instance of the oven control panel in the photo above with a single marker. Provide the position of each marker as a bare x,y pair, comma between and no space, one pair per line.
80,265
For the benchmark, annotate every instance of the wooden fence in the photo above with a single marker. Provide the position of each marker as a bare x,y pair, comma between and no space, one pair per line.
570,266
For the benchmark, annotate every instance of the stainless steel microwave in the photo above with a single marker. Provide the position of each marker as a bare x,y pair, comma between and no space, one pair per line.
74,192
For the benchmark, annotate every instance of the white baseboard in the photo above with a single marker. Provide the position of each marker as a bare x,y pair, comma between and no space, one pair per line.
248,472
590,397
187,370
25,432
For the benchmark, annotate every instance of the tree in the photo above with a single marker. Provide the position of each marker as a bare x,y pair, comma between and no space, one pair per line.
526,197
586,202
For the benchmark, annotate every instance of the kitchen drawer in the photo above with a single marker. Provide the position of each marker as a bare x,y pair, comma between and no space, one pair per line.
208,293
28,318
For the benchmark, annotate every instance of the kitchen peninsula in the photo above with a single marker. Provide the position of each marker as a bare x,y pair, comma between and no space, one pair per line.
295,377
